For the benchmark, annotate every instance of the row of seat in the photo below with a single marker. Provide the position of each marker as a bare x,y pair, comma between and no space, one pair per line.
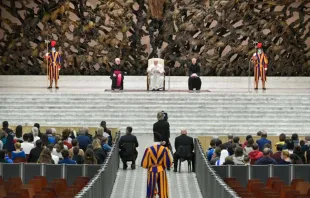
274,188
38,187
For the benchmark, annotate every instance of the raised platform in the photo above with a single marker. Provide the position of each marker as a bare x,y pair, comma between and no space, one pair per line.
99,84
224,105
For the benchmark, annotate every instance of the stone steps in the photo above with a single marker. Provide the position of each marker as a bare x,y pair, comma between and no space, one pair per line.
200,113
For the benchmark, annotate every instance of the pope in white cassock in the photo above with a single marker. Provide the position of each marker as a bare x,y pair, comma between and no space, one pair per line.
156,72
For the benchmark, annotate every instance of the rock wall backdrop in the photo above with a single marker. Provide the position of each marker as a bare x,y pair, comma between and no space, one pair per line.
91,33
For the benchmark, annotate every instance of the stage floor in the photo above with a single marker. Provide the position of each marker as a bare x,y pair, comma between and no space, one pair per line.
102,84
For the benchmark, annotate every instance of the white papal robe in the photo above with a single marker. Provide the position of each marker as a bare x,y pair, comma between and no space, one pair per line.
156,73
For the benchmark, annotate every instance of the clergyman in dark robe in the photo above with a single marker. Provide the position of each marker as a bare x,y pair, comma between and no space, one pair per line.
117,75
194,81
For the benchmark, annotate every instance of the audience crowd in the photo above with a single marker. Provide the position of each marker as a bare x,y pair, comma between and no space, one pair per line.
51,148
289,150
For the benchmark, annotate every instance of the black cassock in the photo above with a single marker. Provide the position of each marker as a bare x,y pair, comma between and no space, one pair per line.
194,82
117,69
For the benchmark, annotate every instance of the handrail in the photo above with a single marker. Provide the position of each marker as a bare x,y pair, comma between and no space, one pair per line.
211,185
101,185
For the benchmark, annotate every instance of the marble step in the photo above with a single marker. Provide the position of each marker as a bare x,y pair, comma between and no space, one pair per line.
157,102
152,106
151,115
176,111
199,120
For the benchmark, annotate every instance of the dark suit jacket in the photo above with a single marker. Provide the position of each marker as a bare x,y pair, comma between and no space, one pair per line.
184,140
128,138
163,128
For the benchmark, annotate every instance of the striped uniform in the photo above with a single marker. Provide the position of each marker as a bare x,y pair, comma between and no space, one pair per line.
54,60
156,159
259,66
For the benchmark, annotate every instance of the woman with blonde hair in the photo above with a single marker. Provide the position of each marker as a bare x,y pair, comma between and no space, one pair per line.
99,152
45,157
18,153
89,157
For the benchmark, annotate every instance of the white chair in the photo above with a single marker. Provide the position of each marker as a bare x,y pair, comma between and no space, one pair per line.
150,62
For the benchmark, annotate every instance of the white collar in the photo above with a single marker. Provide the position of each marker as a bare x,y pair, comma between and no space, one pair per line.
157,143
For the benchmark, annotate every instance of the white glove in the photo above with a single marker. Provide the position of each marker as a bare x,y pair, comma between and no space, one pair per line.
114,75
46,54
265,69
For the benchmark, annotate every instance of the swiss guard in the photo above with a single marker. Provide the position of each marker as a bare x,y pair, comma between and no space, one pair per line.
260,61
53,65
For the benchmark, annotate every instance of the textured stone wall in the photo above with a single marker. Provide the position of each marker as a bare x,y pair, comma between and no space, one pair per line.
91,33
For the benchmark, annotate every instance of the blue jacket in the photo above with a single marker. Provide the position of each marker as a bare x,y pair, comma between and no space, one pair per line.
84,141
261,143
67,161
210,153
265,160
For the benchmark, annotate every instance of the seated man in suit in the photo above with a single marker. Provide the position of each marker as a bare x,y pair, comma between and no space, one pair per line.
156,72
188,146
127,145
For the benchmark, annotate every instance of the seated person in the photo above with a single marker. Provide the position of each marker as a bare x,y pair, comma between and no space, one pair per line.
127,145
76,157
194,81
18,153
2,157
156,72
117,75
105,145
35,152
66,159
187,143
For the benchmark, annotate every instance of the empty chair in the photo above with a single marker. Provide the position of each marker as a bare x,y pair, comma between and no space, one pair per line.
303,187
30,189
17,180
2,191
43,180
36,183
295,182
270,180
250,182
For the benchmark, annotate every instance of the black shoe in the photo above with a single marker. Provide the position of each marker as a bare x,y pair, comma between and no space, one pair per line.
175,170
57,87
264,88
133,166
256,88
125,167
168,169
50,87
153,90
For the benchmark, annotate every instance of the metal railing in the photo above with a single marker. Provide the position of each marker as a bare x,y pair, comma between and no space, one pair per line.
102,184
211,185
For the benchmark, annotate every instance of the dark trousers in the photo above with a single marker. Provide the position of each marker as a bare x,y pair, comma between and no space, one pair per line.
177,157
194,83
114,83
132,159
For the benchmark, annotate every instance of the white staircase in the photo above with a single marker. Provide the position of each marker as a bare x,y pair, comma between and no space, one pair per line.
200,113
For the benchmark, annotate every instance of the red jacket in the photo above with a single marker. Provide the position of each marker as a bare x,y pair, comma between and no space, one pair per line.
256,154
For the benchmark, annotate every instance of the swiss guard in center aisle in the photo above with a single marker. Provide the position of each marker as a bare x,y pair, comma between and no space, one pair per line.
53,65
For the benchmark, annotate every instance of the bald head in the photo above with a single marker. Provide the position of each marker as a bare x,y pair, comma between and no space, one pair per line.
155,62
117,61
184,132
194,60
266,151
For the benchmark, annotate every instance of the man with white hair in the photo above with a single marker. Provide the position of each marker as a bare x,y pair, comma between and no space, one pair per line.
184,146
194,81
156,72
117,75
35,132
